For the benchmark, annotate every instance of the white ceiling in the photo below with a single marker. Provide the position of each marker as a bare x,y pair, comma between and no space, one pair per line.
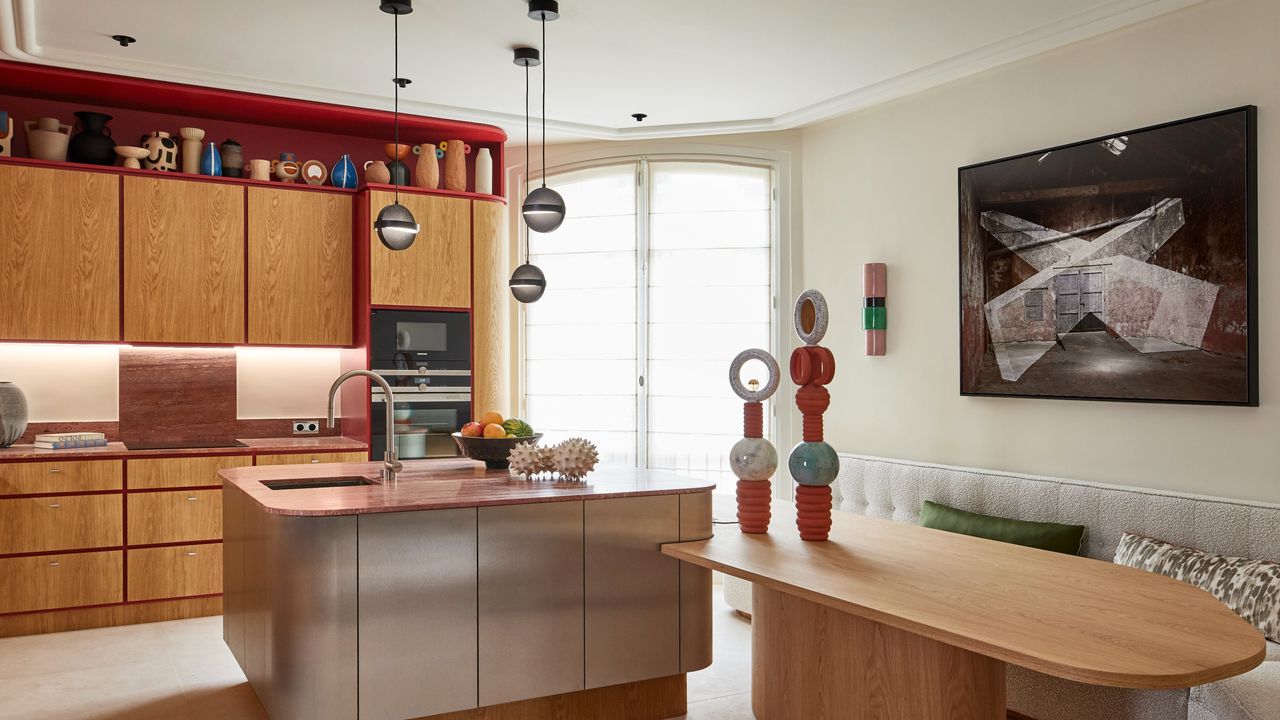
695,66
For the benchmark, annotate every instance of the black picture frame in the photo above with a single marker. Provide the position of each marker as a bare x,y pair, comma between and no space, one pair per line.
976,372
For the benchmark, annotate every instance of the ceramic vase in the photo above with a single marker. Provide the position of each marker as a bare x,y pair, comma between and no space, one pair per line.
427,173
232,158
259,169
455,166
210,160
162,152
47,139
13,413
130,156
286,169
484,172
344,173
376,172
6,134
93,144
191,146
314,172
396,155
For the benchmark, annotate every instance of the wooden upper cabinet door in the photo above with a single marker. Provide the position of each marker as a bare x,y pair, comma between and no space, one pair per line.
59,254
490,316
436,270
299,267
183,261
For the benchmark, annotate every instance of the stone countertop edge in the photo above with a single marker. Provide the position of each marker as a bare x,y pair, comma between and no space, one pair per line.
440,485
253,446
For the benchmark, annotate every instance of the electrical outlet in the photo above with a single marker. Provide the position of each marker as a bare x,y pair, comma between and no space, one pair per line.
306,427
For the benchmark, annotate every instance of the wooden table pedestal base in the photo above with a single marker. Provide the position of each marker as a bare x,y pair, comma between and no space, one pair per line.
812,661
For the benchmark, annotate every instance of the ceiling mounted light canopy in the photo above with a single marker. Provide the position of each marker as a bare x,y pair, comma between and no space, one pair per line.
396,227
543,209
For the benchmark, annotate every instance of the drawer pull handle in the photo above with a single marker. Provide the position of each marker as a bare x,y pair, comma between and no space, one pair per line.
54,563
315,460
191,553
192,497
55,506
55,470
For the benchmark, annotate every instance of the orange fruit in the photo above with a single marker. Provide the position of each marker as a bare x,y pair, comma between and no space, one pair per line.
494,430
491,418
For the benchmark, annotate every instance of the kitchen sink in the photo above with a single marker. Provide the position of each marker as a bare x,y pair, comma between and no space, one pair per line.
309,483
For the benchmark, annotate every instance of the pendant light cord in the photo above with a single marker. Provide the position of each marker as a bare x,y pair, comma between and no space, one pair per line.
544,99
526,149
396,80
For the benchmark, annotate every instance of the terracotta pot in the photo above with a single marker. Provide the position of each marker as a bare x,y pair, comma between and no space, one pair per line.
455,166
259,169
376,172
47,139
427,173
162,152
191,147
93,144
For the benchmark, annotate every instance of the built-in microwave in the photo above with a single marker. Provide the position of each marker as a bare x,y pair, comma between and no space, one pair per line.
425,356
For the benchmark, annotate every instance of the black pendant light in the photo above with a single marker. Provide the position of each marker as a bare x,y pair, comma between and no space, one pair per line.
543,209
527,282
395,224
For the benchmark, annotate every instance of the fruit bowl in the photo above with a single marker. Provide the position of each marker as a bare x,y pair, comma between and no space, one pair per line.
493,451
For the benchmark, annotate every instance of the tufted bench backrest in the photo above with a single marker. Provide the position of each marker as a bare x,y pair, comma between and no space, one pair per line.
896,489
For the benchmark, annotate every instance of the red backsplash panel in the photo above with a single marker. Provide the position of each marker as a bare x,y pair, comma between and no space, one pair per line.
177,395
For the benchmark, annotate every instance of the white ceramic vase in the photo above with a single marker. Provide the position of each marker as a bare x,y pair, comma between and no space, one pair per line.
484,172
13,413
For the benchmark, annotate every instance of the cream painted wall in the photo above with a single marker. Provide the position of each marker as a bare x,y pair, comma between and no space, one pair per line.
278,382
880,185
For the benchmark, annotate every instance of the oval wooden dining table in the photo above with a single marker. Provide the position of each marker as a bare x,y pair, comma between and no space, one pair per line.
889,621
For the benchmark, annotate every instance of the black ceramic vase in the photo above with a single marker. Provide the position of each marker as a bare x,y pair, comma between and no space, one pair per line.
399,172
93,144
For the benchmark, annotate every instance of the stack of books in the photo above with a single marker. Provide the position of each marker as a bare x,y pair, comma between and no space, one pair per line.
68,441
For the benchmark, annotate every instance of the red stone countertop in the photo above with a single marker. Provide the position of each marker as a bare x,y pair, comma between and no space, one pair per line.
254,446
440,484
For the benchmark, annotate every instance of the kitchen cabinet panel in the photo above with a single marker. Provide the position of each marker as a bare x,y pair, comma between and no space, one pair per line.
44,524
436,270
175,571
184,258
181,472
59,477
43,582
418,624
59,254
312,458
171,516
300,280
490,314
695,586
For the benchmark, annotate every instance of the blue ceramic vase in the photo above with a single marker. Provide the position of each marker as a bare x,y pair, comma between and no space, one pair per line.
344,173
211,160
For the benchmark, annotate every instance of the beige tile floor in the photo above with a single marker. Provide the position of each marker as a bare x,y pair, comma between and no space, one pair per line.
181,670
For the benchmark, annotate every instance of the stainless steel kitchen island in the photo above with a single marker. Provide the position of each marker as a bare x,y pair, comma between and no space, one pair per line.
463,591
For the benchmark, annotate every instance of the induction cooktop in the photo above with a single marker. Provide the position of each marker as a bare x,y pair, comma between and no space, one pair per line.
181,445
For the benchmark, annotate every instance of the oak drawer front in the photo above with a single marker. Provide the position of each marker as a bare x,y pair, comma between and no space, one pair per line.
46,524
45,582
181,472
59,477
178,571
313,458
174,516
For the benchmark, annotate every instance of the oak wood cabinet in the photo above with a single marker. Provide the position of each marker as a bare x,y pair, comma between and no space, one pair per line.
490,312
175,571
60,477
59,254
312,458
436,270
174,516
42,582
153,473
184,257
300,278
42,524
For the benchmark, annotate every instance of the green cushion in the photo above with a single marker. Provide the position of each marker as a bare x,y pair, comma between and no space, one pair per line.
1043,535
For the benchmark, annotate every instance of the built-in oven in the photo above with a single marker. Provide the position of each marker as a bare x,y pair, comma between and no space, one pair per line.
425,356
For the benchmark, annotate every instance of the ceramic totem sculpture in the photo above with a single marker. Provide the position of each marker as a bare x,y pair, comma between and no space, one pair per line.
813,463
753,458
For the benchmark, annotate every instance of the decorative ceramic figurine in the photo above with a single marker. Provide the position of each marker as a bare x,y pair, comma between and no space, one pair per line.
47,139
396,155
6,134
753,458
455,165
13,413
344,173
813,463
162,152
574,458
210,160
376,172
427,172
93,144
875,285
484,172
286,168
314,172
259,169
232,158
129,155
191,146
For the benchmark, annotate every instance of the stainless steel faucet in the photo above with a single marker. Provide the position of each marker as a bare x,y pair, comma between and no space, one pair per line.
391,463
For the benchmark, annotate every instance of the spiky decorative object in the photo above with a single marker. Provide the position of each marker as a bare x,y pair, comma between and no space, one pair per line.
525,459
574,458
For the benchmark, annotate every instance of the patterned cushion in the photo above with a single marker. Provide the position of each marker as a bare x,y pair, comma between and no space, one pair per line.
1251,588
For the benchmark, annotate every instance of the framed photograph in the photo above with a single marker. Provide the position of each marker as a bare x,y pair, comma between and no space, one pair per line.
1118,268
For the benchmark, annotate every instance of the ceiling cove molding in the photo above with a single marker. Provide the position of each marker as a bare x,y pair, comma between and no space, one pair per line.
18,41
